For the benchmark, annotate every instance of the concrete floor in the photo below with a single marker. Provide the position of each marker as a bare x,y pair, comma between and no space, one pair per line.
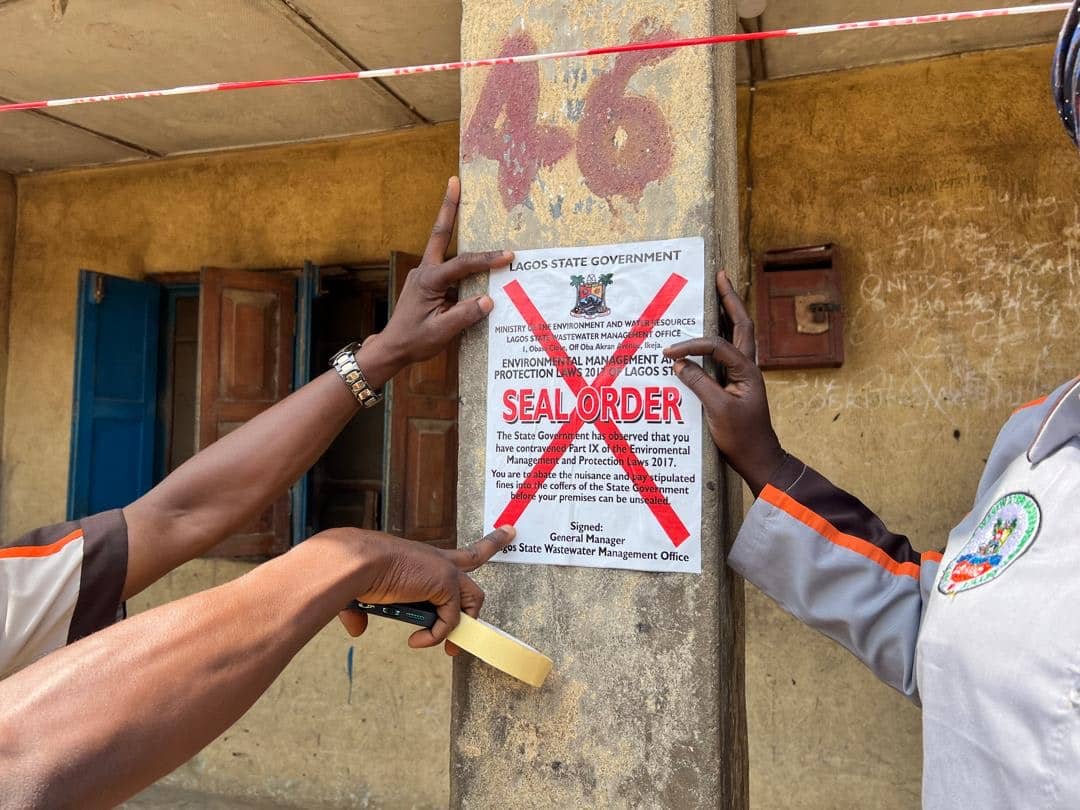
159,797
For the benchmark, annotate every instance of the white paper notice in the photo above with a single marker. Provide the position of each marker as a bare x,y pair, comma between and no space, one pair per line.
593,445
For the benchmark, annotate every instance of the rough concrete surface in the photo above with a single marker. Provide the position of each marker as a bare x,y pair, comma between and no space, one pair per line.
951,190
8,211
166,797
643,708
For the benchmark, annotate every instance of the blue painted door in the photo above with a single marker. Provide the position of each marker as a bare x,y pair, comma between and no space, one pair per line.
307,290
113,415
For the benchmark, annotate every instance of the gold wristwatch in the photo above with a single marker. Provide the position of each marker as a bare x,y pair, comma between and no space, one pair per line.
344,362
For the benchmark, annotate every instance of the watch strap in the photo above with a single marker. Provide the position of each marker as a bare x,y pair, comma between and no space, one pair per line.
344,362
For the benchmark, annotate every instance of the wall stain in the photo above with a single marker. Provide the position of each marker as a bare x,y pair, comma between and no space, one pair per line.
349,671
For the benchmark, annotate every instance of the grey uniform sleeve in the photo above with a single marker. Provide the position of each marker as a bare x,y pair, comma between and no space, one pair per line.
831,562
58,584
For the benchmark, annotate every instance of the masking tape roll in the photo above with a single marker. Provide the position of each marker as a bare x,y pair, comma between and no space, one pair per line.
501,650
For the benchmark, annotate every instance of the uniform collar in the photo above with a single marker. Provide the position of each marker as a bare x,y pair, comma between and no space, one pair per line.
1061,424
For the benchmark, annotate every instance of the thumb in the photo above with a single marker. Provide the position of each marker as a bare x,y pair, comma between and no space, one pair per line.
355,622
464,314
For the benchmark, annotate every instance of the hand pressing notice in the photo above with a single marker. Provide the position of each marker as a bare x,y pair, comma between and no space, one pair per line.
408,571
737,413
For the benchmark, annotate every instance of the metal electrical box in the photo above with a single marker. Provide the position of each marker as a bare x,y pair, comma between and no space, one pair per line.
800,323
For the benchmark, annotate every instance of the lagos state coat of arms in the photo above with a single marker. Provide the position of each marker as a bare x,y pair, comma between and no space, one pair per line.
590,298
1007,531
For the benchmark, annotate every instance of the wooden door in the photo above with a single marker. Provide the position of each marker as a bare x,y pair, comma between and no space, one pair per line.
246,333
421,452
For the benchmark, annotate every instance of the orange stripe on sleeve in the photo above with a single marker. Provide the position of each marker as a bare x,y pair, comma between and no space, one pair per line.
1031,404
811,519
40,551
933,556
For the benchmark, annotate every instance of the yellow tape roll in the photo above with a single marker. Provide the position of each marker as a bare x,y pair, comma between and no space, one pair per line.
492,646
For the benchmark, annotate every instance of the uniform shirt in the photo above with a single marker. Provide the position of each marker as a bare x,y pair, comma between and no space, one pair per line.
985,636
58,584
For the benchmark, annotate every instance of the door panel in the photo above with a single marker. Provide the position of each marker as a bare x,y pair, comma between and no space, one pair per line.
435,377
115,407
246,333
421,453
433,441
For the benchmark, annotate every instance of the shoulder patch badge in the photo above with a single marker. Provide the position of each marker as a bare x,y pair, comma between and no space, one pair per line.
1007,531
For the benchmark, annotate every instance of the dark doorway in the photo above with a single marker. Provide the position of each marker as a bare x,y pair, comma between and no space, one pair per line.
346,485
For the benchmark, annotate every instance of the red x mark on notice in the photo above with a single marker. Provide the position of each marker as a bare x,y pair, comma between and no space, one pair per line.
653,496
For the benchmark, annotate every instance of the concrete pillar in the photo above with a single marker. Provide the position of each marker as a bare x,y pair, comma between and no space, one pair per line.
645,705
8,206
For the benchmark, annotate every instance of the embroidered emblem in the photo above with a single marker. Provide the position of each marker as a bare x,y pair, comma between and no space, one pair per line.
1007,531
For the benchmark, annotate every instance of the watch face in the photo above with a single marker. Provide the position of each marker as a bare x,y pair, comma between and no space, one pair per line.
345,354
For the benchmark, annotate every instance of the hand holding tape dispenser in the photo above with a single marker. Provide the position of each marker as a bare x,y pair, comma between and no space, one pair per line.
487,642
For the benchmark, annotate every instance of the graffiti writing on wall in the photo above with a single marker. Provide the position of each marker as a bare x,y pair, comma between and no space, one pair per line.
623,142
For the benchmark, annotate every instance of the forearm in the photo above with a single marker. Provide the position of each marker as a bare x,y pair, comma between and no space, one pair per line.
97,721
829,561
227,485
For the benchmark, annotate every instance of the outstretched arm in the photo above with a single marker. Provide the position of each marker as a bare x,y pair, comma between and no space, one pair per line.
227,485
815,549
99,720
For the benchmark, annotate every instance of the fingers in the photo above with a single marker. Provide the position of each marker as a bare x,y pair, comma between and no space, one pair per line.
472,600
464,314
472,557
694,377
695,347
449,616
735,360
450,273
472,597
443,230
742,325
715,347
743,338
355,622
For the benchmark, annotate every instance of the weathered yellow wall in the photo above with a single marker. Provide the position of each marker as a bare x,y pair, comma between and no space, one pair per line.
8,212
352,200
951,189
344,201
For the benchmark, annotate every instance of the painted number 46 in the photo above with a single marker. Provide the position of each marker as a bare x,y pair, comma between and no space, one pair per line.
622,144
